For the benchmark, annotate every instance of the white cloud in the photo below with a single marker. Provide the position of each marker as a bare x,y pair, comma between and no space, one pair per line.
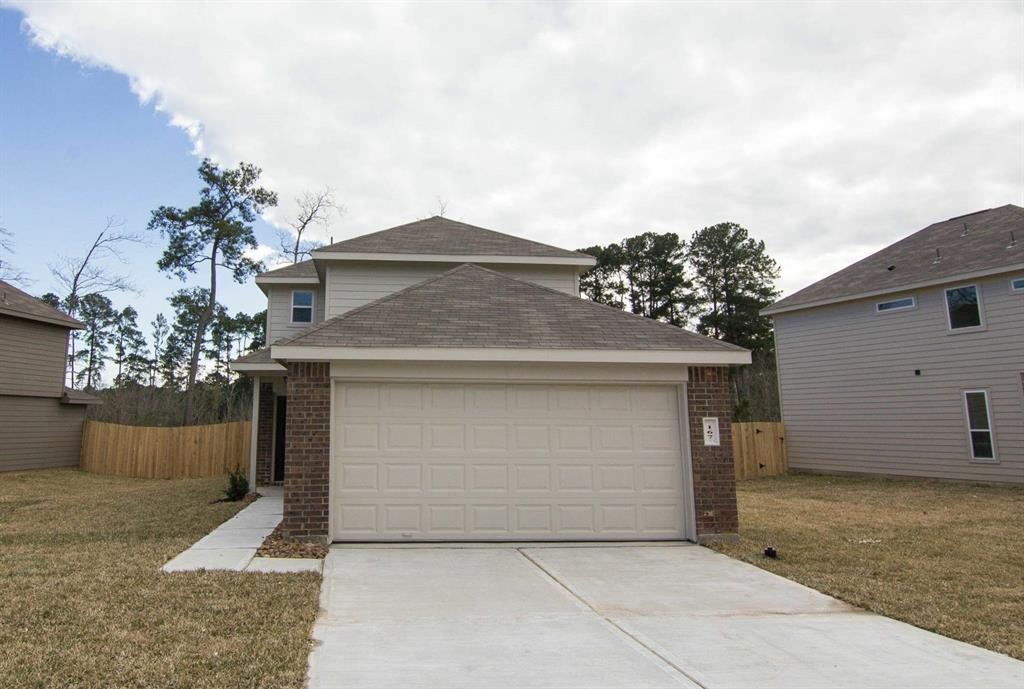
263,252
826,129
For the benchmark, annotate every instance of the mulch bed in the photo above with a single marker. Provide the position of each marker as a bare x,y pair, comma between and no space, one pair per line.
277,545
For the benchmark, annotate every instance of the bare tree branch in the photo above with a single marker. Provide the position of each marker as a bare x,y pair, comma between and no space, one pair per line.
8,272
82,275
314,208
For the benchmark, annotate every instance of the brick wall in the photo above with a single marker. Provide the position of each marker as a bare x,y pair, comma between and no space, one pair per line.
307,451
265,435
714,477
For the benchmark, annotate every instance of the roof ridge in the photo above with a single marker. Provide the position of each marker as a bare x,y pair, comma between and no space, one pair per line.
454,222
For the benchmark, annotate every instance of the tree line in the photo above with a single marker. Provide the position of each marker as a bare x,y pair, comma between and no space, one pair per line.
716,283
179,373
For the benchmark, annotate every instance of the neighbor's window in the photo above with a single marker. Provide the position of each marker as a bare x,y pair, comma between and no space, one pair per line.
302,306
979,424
963,307
895,305
1017,284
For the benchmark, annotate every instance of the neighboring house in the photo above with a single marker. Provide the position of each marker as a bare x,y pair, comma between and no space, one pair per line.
40,419
438,381
911,361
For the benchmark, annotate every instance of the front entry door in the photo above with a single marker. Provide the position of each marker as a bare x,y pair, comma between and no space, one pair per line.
280,413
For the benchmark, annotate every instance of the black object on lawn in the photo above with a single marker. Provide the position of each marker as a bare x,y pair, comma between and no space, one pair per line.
770,552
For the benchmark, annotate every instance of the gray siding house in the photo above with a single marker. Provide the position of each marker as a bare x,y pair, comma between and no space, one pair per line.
40,419
910,362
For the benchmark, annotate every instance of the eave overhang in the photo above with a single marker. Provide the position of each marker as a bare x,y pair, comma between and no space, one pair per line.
610,356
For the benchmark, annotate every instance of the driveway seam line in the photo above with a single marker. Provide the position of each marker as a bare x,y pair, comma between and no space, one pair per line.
610,621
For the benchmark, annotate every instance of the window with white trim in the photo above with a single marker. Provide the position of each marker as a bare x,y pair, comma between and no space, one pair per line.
979,424
1017,284
963,307
895,305
302,306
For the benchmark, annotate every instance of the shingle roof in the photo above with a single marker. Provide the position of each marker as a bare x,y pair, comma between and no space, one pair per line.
985,246
442,236
259,356
473,307
19,304
302,269
72,396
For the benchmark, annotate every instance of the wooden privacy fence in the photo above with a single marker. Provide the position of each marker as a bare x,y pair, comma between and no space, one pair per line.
759,449
165,452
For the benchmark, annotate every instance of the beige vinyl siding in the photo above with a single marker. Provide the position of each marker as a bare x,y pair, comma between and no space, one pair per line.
351,284
39,433
852,403
32,357
279,310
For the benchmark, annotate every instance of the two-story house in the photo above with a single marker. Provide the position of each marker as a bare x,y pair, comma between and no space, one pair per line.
438,381
910,362
40,420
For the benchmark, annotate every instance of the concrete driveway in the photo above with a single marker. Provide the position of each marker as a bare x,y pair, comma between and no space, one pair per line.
611,617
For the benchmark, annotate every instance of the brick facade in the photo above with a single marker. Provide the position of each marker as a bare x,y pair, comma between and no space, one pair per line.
265,435
714,476
307,451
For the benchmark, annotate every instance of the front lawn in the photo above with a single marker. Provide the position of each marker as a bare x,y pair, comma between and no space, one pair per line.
83,603
948,557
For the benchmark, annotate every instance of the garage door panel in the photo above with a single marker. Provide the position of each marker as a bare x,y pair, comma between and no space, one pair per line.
459,461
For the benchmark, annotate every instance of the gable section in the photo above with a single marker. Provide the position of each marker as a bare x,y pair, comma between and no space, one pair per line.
472,307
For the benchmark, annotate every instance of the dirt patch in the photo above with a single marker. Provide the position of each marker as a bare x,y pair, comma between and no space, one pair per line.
277,545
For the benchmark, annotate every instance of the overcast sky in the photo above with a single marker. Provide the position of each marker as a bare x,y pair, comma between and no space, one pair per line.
828,130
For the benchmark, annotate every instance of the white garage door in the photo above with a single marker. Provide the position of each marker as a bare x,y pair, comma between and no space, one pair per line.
479,462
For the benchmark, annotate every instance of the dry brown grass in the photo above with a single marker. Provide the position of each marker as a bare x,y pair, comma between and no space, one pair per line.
948,557
83,604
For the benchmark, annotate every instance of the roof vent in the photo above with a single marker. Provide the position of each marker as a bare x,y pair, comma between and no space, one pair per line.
890,268
1013,241
965,231
938,257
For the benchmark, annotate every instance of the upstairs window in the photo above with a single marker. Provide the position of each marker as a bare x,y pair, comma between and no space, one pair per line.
963,306
1017,285
979,424
302,306
895,305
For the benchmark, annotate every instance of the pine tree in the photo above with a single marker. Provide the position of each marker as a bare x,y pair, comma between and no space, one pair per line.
735,279
97,313
129,348
217,232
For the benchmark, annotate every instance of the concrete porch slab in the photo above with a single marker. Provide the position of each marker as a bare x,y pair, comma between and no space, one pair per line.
232,546
193,560
233,538
285,565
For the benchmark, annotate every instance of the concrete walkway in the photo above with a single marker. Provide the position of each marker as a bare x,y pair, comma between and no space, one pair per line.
610,617
232,545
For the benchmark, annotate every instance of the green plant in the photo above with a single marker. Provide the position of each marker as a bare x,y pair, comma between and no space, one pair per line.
238,485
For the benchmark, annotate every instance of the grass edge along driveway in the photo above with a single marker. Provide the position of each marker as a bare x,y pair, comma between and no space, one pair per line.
943,556
83,603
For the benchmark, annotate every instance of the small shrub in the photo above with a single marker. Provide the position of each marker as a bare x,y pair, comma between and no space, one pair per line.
238,486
